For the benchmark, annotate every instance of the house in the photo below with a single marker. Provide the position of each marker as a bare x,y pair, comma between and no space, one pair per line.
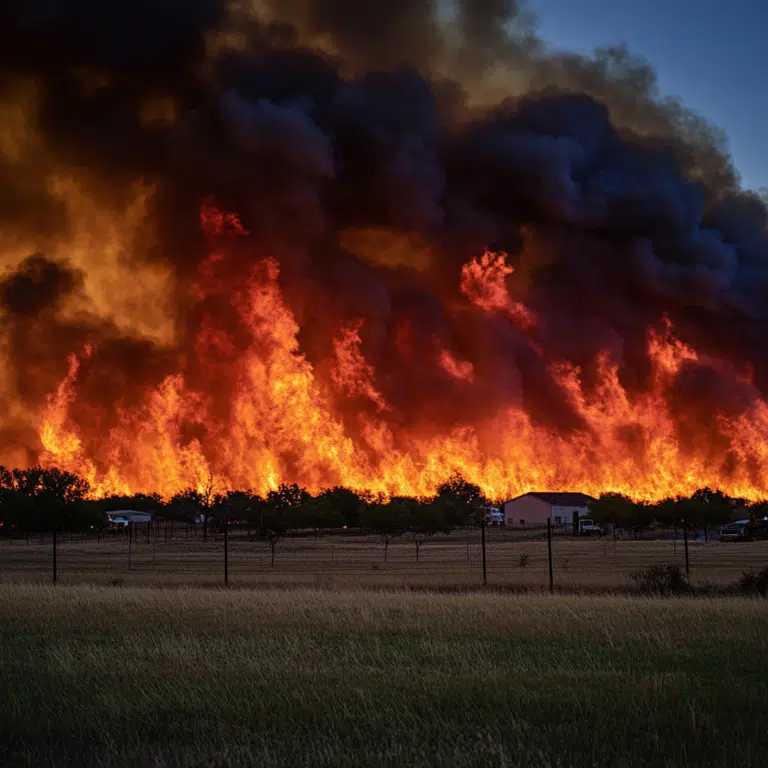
535,508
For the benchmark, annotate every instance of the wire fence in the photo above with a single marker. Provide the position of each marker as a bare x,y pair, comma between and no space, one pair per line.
465,558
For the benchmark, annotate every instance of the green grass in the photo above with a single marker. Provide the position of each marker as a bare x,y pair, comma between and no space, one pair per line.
138,677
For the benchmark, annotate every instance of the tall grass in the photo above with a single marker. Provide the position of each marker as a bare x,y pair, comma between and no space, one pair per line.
132,677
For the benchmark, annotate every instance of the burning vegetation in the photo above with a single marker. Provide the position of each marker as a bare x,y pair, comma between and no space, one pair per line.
367,244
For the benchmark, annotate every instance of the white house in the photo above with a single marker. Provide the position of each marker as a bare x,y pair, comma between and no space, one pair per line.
535,508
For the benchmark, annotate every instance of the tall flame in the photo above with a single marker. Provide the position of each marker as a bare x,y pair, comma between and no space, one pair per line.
483,281
287,421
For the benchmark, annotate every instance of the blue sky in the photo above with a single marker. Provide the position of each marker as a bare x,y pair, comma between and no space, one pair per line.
710,53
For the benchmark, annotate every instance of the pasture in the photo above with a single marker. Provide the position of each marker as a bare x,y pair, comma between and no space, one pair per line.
147,677
514,560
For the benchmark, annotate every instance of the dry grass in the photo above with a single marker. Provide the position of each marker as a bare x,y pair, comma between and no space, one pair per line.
333,561
138,677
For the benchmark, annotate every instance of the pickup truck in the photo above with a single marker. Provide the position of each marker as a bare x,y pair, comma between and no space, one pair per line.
493,516
588,527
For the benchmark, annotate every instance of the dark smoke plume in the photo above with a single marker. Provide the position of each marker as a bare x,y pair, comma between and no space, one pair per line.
371,147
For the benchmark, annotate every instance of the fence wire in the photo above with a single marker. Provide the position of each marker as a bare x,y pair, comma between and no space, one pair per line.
514,559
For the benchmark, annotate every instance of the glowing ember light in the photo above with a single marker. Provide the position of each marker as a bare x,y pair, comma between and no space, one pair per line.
215,222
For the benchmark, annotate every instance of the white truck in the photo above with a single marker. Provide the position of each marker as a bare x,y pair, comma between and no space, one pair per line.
588,527
493,516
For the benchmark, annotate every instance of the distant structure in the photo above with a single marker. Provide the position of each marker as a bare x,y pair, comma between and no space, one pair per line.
535,508
120,518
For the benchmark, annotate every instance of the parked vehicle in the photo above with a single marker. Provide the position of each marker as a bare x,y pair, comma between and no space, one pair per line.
118,520
588,527
493,516
745,530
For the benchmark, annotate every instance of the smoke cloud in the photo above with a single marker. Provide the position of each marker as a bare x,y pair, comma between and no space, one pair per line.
372,150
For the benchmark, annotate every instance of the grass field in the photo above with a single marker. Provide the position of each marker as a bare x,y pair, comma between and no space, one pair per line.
139,677
454,561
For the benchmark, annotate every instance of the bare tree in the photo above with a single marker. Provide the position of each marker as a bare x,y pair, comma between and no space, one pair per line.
207,488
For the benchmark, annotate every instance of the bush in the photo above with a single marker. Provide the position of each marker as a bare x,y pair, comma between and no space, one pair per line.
752,583
661,580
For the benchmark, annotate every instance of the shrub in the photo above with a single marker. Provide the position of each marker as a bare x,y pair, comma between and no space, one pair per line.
752,583
661,580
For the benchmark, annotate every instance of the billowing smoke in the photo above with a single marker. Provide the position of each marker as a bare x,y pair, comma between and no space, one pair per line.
186,171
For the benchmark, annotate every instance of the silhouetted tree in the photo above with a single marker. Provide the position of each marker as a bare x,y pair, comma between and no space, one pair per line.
388,520
40,499
711,507
459,501
755,510
320,513
427,519
282,512
342,506
235,506
206,490
617,509
186,506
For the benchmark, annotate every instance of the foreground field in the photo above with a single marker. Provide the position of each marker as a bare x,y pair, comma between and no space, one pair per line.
513,560
132,677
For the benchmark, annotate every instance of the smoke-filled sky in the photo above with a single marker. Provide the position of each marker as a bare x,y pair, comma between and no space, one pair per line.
250,237
710,53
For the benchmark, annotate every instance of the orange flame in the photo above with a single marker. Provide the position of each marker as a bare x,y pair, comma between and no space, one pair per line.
459,369
287,422
483,281
352,375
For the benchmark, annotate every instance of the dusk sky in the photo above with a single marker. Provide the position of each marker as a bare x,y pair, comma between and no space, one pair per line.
711,54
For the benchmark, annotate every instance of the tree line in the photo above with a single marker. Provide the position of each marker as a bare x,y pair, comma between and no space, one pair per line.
704,507
50,499
41,499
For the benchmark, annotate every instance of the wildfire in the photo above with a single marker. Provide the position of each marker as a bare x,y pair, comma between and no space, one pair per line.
284,421
241,246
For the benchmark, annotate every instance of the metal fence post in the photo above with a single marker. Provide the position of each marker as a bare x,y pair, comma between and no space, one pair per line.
130,543
685,542
226,552
55,575
482,541
549,548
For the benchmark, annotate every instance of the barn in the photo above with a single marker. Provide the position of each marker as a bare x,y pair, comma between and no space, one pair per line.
533,509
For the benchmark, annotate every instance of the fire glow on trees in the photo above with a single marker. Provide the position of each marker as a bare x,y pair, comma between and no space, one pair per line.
282,257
